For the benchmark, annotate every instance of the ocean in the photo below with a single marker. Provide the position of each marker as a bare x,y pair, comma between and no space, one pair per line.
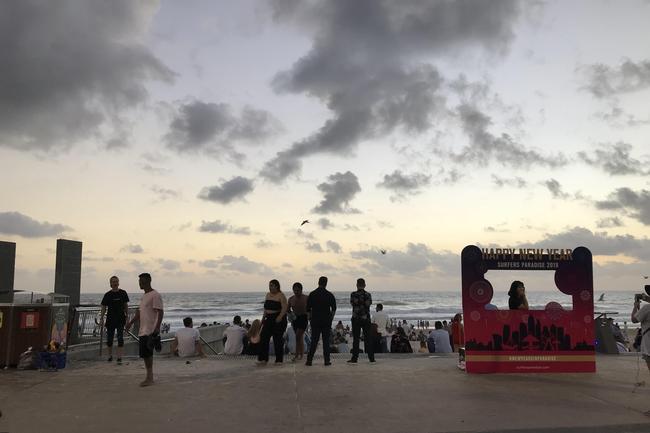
221,307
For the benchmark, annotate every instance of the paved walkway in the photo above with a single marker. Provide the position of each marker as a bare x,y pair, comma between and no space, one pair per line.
415,394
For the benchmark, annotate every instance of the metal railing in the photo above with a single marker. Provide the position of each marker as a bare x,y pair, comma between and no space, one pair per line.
85,328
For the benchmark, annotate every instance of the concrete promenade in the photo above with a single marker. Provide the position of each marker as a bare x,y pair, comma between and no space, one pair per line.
409,394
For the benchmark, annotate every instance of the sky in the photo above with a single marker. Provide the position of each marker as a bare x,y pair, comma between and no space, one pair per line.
191,139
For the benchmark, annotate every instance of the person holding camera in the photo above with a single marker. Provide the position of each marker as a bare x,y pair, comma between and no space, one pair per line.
642,315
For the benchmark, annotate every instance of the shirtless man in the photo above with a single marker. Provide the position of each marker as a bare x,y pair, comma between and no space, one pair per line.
298,306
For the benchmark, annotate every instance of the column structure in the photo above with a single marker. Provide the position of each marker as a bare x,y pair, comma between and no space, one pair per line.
7,271
67,277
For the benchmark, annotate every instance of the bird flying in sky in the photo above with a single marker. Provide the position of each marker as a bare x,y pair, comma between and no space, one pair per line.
304,222
382,251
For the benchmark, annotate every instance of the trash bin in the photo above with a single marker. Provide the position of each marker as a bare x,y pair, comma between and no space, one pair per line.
31,322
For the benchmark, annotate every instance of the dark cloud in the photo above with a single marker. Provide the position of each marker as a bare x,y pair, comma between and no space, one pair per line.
230,190
163,194
606,81
516,182
71,68
15,223
555,189
325,223
338,191
314,247
132,248
625,199
615,159
218,226
610,222
334,247
169,265
402,185
599,243
485,147
240,264
369,64
415,259
212,129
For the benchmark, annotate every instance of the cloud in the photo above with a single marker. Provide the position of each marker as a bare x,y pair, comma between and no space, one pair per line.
218,226
325,223
609,222
606,81
485,147
617,118
15,223
132,248
240,264
516,182
599,243
264,244
71,69
169,265
403,185
164,194
231,190
638,203
417,258
334,247
338,192
314,247
615,159
212,129
369,64
555,189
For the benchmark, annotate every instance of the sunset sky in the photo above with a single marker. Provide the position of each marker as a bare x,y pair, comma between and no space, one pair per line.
191,139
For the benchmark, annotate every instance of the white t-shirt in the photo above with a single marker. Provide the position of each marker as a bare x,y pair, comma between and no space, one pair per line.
187,338
643,316
149,303
440,338
381,319
235,340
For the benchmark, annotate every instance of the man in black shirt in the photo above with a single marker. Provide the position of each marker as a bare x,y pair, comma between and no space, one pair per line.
116,301
361,302
321,307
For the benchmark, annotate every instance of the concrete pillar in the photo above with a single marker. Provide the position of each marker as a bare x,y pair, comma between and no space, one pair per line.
7,269
67,277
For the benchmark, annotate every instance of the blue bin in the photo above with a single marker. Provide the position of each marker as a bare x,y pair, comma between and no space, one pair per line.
48,360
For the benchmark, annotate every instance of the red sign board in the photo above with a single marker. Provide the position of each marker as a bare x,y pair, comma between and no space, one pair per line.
29,319
554,339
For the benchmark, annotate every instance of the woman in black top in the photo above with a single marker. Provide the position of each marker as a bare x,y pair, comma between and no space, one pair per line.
517,294
274,323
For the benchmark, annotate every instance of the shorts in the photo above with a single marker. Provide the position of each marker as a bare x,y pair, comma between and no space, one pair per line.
300,322
146,346
110,334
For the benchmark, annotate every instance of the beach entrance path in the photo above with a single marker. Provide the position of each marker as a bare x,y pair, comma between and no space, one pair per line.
410,394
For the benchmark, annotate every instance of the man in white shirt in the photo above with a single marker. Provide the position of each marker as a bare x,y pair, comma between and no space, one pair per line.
150,315
381,319
187,341
440,339
234,338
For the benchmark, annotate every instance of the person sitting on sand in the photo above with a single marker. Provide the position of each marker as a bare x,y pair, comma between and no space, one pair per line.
339,326
252,346
187,341
423,347
400,343
233,338
440,339
517,296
